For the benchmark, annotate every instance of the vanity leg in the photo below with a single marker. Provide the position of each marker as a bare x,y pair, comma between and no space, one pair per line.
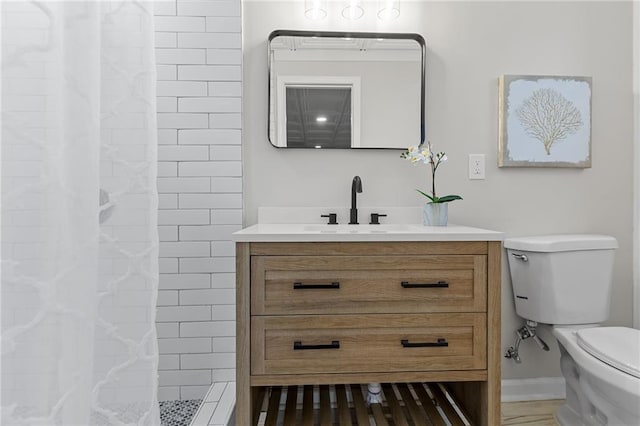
492,387
244,393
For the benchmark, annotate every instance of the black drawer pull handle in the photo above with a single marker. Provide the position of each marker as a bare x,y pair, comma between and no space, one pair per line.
439,284
439,343
298,346
301,286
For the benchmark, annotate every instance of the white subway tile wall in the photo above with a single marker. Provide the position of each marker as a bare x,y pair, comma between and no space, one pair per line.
199,60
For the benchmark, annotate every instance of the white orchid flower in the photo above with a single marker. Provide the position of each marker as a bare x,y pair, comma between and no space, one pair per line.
424,153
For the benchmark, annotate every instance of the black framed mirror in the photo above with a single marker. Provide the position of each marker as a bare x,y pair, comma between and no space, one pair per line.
346,90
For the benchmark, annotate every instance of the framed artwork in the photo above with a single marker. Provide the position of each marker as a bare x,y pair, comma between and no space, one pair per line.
544,121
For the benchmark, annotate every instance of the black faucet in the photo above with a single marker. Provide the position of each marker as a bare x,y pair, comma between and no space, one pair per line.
356,186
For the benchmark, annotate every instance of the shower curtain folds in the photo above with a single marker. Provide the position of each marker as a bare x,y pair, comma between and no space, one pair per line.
79,254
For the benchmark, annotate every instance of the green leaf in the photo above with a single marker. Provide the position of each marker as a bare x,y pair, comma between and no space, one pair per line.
426,195
448,198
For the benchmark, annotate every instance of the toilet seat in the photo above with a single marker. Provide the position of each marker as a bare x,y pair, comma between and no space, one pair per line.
618,347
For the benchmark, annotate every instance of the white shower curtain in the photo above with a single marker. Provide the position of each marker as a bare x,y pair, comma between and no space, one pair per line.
79,239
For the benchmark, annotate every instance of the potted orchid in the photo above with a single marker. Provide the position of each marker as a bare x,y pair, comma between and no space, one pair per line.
436,210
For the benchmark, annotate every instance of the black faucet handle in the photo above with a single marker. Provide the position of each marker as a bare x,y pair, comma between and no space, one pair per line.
375,218
333,218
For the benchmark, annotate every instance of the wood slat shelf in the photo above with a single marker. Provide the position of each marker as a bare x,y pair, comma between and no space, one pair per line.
404,404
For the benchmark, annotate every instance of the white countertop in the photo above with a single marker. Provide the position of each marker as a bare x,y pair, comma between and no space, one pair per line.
305,224
300,232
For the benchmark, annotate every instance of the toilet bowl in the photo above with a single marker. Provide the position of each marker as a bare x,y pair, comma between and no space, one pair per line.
565,281
601,367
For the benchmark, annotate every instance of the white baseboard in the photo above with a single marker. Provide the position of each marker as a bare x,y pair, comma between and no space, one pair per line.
533,389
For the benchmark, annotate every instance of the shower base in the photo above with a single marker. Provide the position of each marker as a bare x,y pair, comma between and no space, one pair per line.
217,408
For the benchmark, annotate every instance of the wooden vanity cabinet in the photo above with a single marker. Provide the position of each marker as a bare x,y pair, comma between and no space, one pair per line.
387,312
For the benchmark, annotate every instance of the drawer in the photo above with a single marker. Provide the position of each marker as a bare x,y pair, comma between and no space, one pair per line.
368,284
367,343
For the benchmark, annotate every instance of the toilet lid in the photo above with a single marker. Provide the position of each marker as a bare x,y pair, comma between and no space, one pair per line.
617,346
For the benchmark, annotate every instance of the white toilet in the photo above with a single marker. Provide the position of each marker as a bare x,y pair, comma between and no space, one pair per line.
565,281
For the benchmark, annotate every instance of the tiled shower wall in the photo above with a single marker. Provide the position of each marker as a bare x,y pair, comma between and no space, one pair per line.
198,55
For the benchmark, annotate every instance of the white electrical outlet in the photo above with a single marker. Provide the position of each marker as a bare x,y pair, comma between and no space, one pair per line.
476,166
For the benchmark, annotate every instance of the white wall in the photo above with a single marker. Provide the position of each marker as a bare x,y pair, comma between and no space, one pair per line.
199,91
469,44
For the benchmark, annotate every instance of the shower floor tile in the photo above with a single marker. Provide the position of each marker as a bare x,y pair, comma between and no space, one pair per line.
178,413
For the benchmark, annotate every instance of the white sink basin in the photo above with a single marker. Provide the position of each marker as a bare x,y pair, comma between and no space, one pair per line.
360,229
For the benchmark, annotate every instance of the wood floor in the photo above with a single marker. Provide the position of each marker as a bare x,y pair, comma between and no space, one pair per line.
530,413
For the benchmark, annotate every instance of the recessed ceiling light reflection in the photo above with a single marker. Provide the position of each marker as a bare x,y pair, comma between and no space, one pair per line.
318,146
321,119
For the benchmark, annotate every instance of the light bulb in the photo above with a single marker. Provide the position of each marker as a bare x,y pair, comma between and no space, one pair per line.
353,10
315,9
388,9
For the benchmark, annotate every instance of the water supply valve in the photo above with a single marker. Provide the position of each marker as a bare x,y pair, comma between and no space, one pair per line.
526,331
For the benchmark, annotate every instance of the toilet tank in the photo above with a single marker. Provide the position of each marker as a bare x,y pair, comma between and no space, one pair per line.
562,279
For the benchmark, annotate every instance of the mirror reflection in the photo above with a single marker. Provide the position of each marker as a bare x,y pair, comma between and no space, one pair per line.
345,90
319,116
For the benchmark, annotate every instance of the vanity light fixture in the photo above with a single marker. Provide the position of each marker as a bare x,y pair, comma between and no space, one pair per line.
388,9
353,10
315,9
